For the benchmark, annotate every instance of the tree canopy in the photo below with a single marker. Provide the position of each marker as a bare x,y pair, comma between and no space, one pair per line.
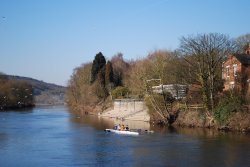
15,94
197,62
98,63
204,53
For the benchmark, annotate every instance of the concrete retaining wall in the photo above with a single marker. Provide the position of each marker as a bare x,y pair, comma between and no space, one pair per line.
128,109
131,105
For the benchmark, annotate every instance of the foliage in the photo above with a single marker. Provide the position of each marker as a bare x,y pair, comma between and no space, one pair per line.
161,101
120,92
163,65
109,76
168,98
229,103
80,92
204,55
15,94
120,69
161,104
242,42
198,61
157,65
149,104
98,63
3,77
100,88
90,84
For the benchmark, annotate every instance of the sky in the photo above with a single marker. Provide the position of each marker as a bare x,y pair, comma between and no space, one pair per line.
47,39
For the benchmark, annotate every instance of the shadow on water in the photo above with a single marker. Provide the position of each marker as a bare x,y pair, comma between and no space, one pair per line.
23,110
86,143
203,133
101,123
93,121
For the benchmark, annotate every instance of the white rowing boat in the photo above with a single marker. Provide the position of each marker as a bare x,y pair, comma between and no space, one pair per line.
123,132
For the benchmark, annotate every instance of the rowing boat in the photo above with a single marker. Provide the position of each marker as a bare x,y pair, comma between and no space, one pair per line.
123,132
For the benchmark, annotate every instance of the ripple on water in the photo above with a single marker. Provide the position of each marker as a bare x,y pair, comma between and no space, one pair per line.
53,137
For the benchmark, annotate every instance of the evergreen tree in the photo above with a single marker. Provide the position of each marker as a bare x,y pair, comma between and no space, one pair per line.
100,88
98,63
109,75
120,67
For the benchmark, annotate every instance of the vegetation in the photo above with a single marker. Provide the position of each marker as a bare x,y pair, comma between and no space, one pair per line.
204,54
15,94
120,92
109,76
229,103
196,63
43,93
98,65
241,43
162,104
90,85
120,69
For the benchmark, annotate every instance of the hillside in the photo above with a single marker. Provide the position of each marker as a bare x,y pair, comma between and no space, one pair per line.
44,93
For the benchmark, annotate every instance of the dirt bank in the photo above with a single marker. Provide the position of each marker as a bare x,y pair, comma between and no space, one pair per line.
238,121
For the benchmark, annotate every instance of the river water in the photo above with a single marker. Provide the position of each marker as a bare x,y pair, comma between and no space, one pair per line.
52,136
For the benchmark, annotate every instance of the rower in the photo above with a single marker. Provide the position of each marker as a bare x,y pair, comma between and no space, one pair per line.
119,127
123,127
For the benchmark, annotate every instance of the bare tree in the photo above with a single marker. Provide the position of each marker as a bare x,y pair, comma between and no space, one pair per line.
163,65
241,42
205,53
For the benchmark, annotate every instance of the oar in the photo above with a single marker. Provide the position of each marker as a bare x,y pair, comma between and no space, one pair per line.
141,131
106,130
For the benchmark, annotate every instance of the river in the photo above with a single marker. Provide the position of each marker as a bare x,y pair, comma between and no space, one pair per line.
53,136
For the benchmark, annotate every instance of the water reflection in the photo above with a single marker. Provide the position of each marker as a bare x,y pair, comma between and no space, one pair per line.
168,146
102,123
203,133
54,137
19,110
212,148
93,121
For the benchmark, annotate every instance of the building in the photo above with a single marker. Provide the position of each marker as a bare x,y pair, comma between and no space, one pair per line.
236,71
176,90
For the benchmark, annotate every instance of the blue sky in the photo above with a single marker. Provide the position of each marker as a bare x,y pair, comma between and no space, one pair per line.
47,39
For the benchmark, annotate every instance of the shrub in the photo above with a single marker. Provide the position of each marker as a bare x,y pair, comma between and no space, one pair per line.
159,102
120,92
229,103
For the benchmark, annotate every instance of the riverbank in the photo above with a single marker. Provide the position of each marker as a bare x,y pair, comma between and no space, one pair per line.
238,121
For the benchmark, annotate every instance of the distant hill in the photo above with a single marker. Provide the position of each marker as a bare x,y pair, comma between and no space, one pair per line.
44,93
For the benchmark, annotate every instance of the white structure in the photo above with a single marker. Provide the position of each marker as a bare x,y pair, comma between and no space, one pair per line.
128,109
176,90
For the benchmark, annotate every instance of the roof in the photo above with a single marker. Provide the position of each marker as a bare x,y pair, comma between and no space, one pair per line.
243,58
